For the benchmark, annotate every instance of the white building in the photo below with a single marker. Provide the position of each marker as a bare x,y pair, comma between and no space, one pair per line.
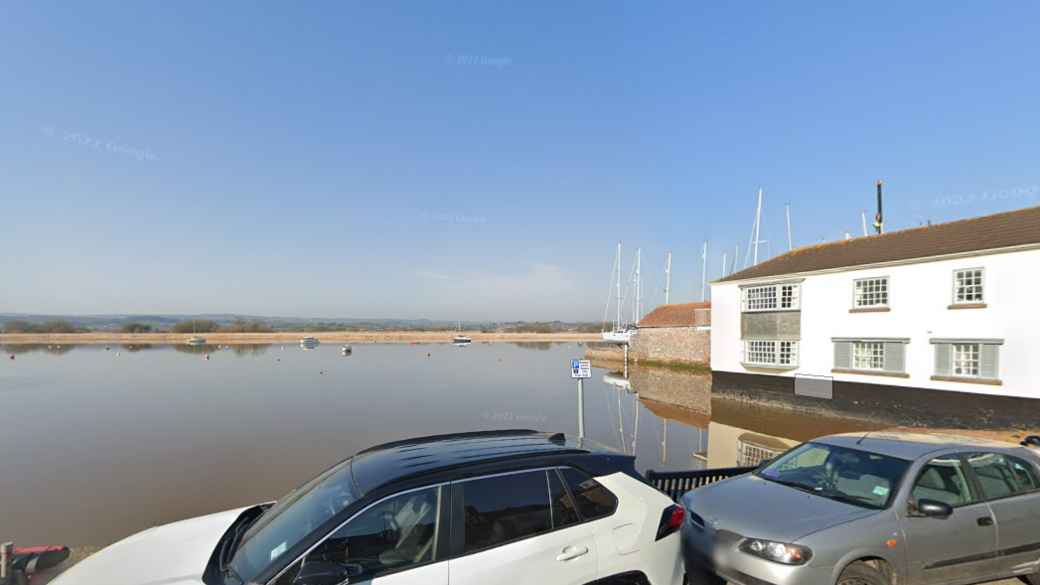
933,316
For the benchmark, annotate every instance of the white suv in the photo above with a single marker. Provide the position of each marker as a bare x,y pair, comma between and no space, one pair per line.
466,509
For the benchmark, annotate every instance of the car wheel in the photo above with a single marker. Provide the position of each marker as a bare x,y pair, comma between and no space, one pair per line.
862,574
1033,579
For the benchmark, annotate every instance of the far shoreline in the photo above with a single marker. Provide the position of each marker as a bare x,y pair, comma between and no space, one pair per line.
353,337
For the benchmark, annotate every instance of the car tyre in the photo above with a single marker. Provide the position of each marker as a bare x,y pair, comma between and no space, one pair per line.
862,574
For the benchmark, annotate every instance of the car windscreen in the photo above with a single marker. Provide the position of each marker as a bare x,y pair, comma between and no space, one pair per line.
292,518
854,476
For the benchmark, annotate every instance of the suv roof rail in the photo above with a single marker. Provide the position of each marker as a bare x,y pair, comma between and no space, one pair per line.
449,436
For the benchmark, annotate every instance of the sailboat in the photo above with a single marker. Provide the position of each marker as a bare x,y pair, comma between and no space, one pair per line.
622,332
461,339
194,339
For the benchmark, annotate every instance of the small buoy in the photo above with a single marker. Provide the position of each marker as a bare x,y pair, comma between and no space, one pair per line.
119,353
322,372
409,344
499,359
12,357
283,348
279,359
107,348
427,355
357,346
207,358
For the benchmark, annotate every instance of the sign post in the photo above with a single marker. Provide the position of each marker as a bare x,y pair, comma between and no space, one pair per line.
581,369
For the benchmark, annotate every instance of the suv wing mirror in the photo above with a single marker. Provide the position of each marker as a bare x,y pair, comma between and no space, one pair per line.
934,509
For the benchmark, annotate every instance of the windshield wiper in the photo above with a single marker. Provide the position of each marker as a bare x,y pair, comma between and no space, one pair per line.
849,499
795,485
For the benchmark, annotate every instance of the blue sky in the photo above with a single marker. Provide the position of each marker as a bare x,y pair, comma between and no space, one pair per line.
481,159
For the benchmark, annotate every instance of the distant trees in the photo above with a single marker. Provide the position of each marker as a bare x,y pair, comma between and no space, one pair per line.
195,326
132,327
57,326
242,326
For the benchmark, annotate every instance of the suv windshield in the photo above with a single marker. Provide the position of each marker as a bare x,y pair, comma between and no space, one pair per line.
848,475
291,519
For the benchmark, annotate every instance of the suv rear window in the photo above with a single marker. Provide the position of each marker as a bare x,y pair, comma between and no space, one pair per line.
594,501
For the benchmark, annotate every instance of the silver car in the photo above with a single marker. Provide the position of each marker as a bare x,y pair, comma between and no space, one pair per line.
873,509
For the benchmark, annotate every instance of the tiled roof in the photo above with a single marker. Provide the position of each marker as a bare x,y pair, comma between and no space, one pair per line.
991,232
681,315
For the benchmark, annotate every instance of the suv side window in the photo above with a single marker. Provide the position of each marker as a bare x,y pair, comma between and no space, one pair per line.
594,501
943,480
395,534
995,475
503,509
564,511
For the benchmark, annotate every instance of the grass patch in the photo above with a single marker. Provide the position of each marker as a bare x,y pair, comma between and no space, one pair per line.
677,366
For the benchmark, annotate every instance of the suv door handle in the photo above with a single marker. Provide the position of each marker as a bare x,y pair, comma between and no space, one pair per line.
571,552
985,521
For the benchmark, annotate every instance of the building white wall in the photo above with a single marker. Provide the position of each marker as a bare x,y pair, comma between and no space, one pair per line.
919,295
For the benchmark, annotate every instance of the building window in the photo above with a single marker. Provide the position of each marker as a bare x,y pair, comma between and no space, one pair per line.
967,286
771,353
868,356
966,360
871,292
871,355
774,297
750,453
969,359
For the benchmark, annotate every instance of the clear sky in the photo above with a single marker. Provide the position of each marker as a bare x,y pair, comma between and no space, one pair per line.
480,160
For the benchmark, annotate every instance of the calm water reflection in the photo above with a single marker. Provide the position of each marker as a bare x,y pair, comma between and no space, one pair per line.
99,443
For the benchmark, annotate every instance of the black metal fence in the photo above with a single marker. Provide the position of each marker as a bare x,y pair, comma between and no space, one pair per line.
677,483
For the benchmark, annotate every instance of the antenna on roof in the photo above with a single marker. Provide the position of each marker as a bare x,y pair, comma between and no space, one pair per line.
863,437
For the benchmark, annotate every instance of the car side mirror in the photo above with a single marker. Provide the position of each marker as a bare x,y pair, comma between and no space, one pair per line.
934,509
321,573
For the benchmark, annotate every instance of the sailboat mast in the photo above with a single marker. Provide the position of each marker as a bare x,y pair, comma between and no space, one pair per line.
617,321
668,278
865,234
723,264
790,246
638,300
704,270
758,224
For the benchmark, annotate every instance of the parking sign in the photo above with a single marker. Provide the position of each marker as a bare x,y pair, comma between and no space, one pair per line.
581,369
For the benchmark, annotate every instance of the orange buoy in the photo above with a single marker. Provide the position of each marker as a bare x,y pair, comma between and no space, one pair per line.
409,344
207,358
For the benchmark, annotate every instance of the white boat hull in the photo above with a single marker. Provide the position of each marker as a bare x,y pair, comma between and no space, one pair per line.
618,337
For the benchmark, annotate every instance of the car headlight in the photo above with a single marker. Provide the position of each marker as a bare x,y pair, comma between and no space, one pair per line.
780,552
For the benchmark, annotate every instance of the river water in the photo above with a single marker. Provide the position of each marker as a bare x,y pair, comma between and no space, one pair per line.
98,442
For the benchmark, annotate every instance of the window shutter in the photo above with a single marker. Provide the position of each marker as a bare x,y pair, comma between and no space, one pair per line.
894,359
988,361
843,355
942,359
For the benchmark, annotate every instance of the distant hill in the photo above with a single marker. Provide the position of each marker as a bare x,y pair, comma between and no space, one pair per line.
164,322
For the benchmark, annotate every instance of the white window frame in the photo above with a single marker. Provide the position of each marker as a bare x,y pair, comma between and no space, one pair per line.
986,359
856,304
778,290
972,360
778,348
981,286
890,351
869,352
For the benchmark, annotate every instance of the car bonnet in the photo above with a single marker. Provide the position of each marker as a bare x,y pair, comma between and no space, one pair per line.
173,554
753,507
